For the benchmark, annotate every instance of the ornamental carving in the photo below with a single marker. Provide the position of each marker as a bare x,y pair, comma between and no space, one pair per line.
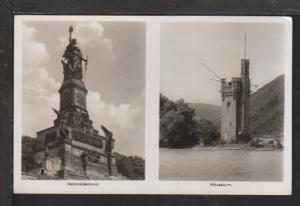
83,138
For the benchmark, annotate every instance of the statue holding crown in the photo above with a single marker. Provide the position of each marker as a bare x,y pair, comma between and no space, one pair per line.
72,59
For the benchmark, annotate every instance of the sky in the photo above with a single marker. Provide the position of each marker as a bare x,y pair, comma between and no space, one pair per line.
115,77
184,46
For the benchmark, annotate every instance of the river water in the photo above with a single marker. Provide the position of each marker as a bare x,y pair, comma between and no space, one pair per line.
222,165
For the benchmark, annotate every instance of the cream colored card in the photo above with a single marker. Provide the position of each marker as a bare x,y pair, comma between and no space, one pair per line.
152,105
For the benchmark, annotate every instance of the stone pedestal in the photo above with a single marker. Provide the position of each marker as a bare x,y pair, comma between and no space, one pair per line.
74,149
73,95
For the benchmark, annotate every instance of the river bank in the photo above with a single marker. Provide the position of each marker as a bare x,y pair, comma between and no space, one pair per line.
245,147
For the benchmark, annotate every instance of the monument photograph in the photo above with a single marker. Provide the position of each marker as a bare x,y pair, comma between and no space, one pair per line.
223,101
83,105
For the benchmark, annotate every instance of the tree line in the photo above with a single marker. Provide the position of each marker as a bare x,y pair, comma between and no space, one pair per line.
180,127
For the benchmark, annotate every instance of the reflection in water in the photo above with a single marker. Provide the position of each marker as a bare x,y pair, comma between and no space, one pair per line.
226,165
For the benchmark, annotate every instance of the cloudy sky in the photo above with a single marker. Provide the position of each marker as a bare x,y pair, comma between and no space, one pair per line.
184,46
115,77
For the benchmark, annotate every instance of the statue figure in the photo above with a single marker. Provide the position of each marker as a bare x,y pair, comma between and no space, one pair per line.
109,144
64,129
108,147
84,159
72,59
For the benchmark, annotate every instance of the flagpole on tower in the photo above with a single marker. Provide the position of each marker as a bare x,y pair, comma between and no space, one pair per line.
245,45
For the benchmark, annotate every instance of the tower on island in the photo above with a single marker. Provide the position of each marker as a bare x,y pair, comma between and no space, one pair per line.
73,147
235,105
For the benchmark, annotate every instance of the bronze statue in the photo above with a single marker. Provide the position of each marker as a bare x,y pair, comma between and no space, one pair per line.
72,59
109,144
64,129
108,147
84,160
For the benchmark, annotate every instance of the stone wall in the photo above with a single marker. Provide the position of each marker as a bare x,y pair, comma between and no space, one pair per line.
54,160
228,119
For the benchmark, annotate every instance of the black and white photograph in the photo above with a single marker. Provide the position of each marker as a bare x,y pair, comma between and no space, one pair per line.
149,103
82,100
152,105
222,101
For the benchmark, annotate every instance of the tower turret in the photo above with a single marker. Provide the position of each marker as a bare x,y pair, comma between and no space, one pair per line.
244,131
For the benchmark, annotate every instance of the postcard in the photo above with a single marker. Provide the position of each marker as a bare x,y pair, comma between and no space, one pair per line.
152,105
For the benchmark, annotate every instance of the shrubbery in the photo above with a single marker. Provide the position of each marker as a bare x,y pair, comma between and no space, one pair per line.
29,147
132,167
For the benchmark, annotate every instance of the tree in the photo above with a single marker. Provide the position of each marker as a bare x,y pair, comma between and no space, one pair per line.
177,124
206,131
132,167
29,147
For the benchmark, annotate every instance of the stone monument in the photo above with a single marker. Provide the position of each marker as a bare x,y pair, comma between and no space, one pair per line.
73,148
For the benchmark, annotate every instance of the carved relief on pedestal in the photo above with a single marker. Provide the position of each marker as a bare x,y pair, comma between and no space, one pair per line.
90,140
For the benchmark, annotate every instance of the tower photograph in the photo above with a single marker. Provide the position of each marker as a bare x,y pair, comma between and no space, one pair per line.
223,101
82,100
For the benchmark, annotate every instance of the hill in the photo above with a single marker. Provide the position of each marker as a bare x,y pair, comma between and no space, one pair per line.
206,111
267,108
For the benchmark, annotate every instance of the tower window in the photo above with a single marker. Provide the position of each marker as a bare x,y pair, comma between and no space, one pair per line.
228,104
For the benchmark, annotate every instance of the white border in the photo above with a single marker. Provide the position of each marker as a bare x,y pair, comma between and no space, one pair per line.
151,184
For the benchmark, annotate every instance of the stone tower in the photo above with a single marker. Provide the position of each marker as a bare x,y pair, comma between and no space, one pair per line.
73,148
244,131
235,106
